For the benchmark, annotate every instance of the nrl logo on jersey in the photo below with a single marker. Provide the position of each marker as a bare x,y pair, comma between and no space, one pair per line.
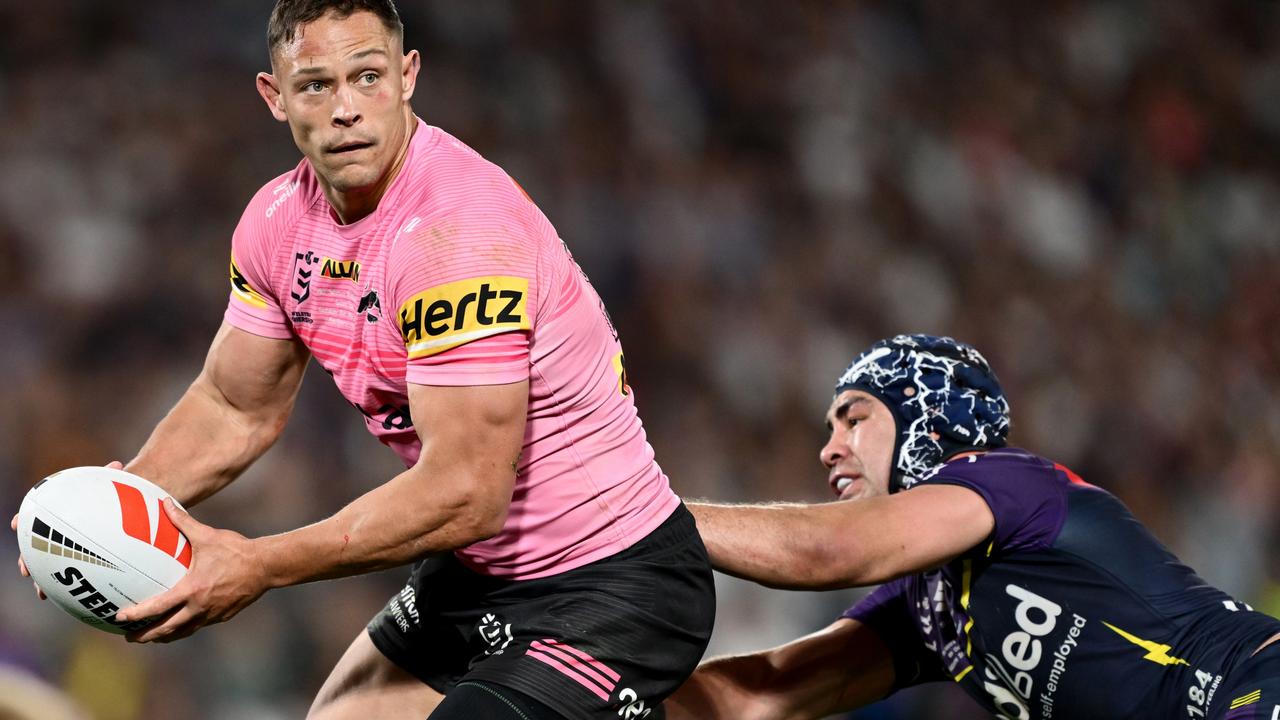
341,269
495,633
456,313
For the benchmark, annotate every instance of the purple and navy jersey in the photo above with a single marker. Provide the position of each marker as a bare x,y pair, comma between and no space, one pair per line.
1070,609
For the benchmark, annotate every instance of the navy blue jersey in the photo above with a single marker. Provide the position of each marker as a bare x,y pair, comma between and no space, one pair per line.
1071,609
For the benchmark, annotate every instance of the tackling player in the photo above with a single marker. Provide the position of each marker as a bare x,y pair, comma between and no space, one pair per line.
1038,593
562,576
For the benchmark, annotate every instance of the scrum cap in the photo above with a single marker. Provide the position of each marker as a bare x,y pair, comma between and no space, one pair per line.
944,397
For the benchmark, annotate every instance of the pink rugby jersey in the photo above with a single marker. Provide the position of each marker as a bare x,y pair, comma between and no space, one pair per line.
458,279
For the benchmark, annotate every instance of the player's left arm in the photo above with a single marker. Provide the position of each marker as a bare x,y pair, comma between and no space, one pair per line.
844,544
845,666
455,495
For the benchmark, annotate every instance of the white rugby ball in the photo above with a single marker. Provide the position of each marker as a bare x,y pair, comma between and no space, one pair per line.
97,540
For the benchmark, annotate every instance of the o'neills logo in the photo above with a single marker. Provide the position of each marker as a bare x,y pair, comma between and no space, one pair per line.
456,313
282,193
341,269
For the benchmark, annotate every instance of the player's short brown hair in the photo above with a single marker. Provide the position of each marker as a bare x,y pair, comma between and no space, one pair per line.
289,14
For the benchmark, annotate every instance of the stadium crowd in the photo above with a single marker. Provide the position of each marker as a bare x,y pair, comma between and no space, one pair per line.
1088,191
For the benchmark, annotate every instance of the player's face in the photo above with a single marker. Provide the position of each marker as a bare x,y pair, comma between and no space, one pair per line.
343,85
859,454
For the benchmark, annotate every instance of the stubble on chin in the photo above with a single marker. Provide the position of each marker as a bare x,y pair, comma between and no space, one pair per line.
350,179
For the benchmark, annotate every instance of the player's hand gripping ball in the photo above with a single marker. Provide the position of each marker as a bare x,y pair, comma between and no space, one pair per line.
97,539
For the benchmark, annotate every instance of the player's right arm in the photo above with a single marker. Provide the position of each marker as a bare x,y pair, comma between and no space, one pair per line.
840,668
238,405
228,418
231,414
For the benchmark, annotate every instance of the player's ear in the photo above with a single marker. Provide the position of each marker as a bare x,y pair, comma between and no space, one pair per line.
409,73
269,89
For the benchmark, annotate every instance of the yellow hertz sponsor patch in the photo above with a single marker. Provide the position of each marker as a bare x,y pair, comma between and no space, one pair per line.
240,287
1156,652
456,313
341,269
1243,700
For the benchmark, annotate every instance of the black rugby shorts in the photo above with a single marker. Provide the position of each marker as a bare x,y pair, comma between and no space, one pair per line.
610,639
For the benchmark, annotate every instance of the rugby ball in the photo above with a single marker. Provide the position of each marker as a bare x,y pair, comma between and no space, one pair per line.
96,540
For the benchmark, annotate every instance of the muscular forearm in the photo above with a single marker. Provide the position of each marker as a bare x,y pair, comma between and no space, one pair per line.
204,443
410,516
844,544
839,668
457,493
727,688
779,545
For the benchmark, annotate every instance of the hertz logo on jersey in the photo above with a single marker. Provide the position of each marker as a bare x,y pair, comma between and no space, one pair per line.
341,269
456,313
241,289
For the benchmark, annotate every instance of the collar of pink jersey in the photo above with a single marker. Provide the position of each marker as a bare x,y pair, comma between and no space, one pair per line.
421,136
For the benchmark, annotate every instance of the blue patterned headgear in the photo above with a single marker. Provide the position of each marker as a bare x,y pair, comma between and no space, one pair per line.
943,395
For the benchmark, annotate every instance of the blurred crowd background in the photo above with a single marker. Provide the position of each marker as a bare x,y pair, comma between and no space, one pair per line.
1089,191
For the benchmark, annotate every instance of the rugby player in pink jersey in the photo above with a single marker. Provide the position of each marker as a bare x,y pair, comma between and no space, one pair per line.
557,574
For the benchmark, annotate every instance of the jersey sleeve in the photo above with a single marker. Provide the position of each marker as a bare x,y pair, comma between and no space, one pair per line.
465,289
1027,497
252,306
887,611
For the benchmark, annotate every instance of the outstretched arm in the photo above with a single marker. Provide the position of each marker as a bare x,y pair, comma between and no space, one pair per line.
842,667
232,413
844,544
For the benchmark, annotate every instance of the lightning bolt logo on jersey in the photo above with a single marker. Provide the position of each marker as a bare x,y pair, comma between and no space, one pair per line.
1156,652
1072,609
241,290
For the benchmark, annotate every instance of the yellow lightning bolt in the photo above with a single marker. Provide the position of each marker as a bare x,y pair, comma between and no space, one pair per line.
1156,652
